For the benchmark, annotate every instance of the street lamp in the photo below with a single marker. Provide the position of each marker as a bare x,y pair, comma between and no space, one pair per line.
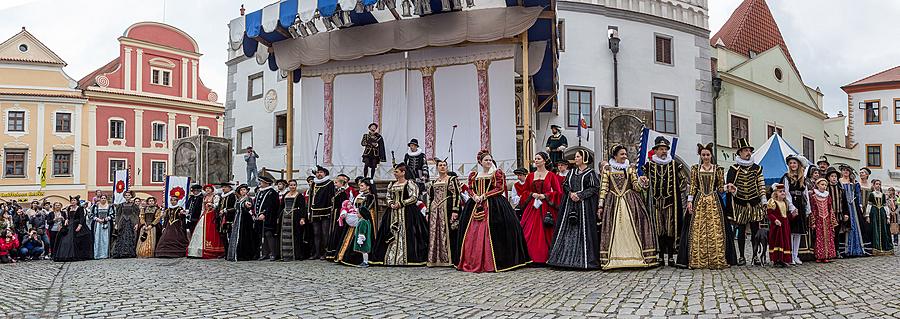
614,48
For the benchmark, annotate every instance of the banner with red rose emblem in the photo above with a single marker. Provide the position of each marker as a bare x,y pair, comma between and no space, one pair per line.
120,186
177,187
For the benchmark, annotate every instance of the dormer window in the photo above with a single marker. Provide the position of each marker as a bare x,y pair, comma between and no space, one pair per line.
161,77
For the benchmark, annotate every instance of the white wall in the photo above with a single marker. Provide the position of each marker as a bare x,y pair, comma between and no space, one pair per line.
886,134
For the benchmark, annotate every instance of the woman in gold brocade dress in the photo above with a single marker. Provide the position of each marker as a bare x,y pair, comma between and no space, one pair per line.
148,229
707,236
627,236
443,208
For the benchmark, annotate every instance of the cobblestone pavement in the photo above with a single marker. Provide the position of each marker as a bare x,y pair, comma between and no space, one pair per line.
856,288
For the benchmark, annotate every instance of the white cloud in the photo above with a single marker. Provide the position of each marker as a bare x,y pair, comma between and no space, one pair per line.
833,42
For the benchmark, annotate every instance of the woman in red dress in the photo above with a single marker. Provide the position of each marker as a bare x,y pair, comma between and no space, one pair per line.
541,196
205,240
779,228
822,221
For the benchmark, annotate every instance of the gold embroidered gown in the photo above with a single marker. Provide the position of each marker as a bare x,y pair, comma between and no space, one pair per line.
706,239
627,237
402,239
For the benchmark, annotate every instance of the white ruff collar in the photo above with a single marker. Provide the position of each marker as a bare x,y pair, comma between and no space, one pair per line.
742,162
821,194
662,161
617,165
265,188
324,179
416,153
228,193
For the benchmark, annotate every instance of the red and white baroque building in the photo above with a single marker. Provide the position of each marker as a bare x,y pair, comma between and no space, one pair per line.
141,101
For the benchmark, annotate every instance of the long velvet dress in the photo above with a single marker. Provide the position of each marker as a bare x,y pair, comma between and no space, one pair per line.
402,239
294,244
705,242
539,237
102,230
148,231
205,240
243,242
779,236
174,241
880,229
865,226
350,251
491,236
823,221
854,242
627,236
125,242
576,242
72,244
443,201
798,195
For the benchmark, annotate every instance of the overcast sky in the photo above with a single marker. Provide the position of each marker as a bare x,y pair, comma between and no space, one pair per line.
833,42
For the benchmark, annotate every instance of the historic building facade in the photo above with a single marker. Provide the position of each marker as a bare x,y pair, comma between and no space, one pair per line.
142,100
762,92
43,123
873,116
660,73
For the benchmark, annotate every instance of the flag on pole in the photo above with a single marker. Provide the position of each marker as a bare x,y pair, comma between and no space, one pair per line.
583,125
648,137
44,172
120,186
177,187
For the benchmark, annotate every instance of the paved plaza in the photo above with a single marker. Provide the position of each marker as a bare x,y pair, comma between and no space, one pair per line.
181,288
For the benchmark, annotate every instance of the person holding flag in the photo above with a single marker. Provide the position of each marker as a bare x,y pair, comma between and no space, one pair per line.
665,197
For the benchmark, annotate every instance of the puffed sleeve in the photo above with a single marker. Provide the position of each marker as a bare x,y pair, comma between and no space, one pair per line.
498,185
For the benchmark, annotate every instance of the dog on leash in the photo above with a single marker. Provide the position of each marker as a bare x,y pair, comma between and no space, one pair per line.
761,246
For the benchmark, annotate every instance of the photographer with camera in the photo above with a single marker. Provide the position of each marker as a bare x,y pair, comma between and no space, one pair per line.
8,243
33,247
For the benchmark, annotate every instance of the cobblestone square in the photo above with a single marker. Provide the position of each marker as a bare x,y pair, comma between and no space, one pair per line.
183,288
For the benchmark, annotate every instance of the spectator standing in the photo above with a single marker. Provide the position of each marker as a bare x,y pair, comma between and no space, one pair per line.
250,158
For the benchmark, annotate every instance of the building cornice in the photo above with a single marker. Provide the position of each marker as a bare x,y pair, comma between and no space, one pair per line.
117,95
632,16
732,79
153,46
882,86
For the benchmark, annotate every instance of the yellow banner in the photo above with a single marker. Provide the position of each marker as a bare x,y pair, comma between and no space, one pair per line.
44,172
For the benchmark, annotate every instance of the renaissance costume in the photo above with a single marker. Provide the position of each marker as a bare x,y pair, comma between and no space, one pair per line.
416,166
373,153
193,207
148,231
205,240
556,145
443,202
779,235
359,238
538,234
627,237
402,239
321,210
294,242
124,239
266,205
823,221
101,224
855,245
338,229
75,240
798,199
707,237
880,228
745,205
665,200
243,242
226,211
174,241
575,243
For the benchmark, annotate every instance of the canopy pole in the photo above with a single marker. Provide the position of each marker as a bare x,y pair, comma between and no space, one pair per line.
289,128
527,142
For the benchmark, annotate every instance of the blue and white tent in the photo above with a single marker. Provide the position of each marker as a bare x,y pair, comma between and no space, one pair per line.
326,30
771,156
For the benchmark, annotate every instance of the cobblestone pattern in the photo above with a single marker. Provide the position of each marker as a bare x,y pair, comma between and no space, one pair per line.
182,288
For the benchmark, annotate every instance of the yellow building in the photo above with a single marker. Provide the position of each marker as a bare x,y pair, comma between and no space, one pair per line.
42,117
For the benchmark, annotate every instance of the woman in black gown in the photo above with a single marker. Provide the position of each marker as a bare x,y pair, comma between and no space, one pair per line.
576,244
402,239
75,240
174,241
294,245
242,242
124,242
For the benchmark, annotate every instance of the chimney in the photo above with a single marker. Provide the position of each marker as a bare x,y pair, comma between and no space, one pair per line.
242,10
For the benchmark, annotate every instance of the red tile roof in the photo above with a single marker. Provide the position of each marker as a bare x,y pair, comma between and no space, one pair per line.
752,28
884,77
90,79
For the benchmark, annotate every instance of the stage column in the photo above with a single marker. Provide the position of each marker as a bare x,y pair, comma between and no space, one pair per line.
289,129
378,105
428,94
484,103
328,80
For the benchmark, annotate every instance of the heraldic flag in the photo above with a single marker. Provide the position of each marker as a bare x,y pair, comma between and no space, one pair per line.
648,138
177,186
120,186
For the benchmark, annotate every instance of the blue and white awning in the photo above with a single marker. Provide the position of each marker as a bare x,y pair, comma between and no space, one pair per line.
257,32
771,156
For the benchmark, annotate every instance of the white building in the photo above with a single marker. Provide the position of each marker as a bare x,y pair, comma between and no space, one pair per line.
873,115
663,70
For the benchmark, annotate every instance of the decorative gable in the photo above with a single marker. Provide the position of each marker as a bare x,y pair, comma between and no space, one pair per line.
772,69
24,47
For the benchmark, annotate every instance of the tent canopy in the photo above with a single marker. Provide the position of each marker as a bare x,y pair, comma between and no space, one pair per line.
280,25
771,156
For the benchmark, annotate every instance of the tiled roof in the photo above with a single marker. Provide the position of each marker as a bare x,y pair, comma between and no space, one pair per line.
41,93
752,28
886,76
90,79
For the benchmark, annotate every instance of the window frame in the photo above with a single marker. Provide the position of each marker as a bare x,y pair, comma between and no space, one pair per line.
897,156
251,96
200,130
674,99
160,79
55,166
57,118
9,121
812,143
877,111
238,138
589,118
153,171
656,49
178,130
6,154
110,130
897,111
276,131
731,119
112,172
880,156
775,129
164,131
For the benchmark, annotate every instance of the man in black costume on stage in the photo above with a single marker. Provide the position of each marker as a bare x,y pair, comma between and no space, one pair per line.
266,214
416,169
556,144
373,151
321,207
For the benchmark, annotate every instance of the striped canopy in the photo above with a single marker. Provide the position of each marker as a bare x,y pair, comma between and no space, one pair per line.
771,156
